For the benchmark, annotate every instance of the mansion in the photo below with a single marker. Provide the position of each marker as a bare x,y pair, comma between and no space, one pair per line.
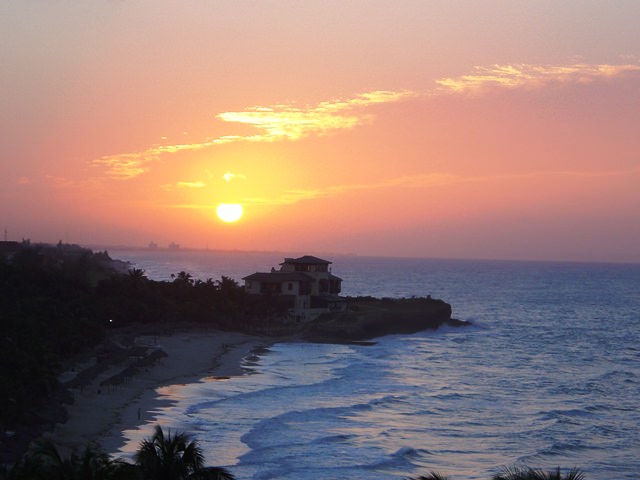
305,283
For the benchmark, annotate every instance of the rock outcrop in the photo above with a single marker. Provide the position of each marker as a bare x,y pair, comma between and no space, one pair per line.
367,318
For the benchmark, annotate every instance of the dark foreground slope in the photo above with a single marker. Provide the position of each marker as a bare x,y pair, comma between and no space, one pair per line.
366,318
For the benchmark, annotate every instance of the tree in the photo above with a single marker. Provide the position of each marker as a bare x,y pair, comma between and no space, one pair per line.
137,274
526,473
175,457
96,465
227,284
183,278
44,462
168,457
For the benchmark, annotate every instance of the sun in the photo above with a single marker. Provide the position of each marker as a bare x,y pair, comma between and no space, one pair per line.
229,212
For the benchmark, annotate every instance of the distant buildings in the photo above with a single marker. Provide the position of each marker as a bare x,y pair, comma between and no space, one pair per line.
306,284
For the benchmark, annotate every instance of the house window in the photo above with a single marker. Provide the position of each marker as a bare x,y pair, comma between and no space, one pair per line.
290,286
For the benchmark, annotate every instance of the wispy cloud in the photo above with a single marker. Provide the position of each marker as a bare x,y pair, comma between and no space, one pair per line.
229,176
125,165
183,184
295,196
191,184
292,122
279,122
66,183
426,180
129,165
289,197
289,122
532,76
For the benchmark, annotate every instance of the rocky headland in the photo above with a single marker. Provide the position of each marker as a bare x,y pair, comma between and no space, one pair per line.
366,317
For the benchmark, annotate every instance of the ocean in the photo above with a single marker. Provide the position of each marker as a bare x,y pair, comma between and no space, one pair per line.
548,375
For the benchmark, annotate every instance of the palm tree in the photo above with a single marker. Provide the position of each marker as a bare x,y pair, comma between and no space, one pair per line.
49,463
96,465
137,277
168,457
44,461
137,274
526,473
227,284
183,278
175,457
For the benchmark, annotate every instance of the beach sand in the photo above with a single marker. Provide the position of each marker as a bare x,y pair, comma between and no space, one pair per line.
100,414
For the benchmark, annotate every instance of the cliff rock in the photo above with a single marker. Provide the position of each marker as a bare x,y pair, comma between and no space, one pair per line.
367,318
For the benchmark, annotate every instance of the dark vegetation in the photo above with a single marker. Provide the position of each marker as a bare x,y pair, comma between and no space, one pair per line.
164,456
58,302
521,473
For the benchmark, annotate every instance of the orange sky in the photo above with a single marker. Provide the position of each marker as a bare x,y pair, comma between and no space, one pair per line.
462,129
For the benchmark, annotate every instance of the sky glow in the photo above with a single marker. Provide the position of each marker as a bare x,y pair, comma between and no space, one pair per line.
430,129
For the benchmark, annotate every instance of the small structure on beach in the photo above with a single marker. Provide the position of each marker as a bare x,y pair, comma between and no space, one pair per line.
305,283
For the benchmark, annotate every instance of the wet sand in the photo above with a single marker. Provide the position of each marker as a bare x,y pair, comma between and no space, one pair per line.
100,414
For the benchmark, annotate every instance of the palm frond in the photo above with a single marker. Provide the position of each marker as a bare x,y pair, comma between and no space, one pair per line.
516,473
527,473
575,474
431,476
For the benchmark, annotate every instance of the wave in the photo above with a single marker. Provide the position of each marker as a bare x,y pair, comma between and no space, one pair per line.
548,374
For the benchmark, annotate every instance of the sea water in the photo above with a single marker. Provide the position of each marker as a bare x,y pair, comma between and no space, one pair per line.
548,375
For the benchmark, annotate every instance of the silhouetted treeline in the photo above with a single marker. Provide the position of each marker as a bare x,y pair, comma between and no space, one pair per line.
45,313
57,301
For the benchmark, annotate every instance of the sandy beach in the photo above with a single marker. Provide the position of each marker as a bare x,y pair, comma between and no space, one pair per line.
100,414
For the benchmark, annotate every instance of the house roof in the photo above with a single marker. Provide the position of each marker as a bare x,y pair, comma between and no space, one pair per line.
307,260
278,277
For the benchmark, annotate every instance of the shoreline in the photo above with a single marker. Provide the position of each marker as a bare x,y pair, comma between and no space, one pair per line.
101,415
114,410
